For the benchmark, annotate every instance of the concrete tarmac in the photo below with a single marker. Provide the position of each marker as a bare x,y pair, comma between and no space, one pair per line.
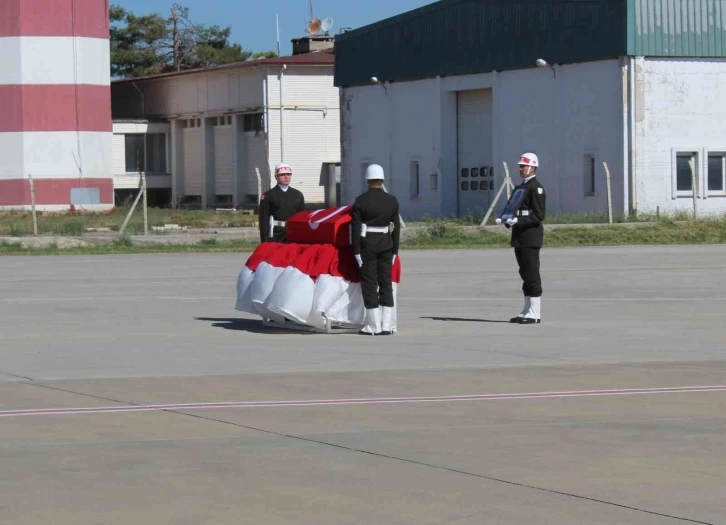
565,422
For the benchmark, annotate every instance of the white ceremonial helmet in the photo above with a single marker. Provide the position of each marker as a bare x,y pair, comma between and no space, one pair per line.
283,169
374,172
528,159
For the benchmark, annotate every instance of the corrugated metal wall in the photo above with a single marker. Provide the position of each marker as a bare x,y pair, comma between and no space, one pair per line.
188,94
193,161
311,131
224,168
118,154
458,37
677,28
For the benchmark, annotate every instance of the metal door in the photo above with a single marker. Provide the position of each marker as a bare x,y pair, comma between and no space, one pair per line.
475,178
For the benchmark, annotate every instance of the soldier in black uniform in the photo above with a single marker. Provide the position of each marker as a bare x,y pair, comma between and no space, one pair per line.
279,204
376,234
528,237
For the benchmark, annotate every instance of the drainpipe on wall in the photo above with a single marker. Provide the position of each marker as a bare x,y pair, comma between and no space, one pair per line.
265,99
625,135
631,133
282,118
391,138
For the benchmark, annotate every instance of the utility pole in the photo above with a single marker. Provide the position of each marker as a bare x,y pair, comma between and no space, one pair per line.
175,36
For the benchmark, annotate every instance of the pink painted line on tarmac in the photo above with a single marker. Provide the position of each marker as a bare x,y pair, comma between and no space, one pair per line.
361,401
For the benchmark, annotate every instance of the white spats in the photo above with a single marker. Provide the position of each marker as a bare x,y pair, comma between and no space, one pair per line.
387,320
373,321
527,304
534,309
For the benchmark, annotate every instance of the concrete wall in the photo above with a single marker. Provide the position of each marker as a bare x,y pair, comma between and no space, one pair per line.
392,128
561,118
680,106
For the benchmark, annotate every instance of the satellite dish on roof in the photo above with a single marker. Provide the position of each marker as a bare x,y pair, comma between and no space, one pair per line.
326,24
314,26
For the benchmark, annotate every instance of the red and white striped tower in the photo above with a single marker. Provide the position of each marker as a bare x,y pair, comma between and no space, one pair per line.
55,103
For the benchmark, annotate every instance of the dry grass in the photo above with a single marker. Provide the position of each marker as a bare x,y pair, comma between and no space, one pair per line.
435,234
75,224
664,231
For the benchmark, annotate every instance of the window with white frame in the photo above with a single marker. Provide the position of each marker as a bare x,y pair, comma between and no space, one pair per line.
145,152
135,152
716,173
686,173
414,178
589,174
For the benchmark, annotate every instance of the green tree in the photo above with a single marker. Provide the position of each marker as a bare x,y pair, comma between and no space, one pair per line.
263,54
151,44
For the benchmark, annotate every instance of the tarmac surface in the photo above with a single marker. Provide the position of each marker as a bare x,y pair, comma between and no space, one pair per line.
132,391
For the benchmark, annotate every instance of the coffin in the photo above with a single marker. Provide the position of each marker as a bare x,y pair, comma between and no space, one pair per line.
326,226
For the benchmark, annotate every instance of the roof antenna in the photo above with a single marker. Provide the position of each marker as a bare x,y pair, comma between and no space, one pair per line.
277,27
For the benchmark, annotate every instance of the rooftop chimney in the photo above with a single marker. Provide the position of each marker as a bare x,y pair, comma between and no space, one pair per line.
311,44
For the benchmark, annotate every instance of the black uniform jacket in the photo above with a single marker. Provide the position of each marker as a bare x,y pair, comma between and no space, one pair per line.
376,208
281,205
529,232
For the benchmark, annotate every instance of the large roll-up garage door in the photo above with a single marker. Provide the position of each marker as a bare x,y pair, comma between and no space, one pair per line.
224,158
475,158
193,158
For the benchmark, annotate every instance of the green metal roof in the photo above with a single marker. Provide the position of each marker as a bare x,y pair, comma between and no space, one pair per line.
460,37
677,28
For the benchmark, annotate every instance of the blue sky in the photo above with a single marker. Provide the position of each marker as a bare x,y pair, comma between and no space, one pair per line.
253,21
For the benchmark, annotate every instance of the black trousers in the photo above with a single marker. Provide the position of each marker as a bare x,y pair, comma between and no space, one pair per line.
375,278
279,234
528,261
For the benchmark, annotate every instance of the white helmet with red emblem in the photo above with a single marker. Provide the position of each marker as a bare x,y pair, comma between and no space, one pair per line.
283,169
528,159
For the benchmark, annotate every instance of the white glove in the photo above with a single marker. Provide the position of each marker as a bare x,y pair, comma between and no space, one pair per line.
497,220
394,259
512,222
359,260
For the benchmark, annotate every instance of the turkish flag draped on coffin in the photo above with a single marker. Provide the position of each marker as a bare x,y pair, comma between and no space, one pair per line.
315,273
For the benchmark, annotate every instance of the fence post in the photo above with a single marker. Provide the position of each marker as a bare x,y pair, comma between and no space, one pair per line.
259,185
510,184
128,216
32,204
694,188
506,184
610,199
146,216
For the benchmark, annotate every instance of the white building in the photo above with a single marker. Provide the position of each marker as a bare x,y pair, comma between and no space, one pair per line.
458,93
212,137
